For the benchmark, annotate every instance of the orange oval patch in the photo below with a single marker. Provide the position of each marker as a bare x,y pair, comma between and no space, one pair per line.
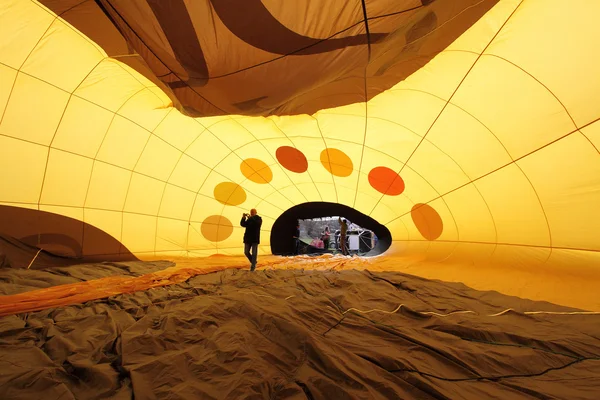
256,170
216,228
337,162
427,220
230,194
292,159
386,181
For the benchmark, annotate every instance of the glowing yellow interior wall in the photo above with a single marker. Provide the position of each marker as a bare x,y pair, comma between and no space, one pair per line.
487,154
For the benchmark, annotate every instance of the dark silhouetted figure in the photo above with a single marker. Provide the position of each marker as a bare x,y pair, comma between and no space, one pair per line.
325,237
343,230
297,240
252,222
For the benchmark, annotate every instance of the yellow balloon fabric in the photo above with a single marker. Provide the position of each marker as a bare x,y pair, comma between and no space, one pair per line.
479,150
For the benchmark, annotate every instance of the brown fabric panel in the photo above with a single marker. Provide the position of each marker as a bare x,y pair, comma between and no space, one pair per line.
193,102
252,22
377,8
57,235
60,6
88,18
152,47
18,255
409,41
424,26
244,42
290,77
175,22
55,243
175,79
139,64
412,40
251,104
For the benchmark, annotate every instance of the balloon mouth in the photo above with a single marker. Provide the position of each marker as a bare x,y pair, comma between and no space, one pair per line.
284,228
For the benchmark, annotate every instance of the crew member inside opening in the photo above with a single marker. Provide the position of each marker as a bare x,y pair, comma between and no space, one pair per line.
335,235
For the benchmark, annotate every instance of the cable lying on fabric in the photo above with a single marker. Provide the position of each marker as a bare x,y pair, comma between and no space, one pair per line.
473,312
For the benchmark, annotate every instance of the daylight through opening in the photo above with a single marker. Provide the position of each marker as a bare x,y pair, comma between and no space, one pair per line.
302,230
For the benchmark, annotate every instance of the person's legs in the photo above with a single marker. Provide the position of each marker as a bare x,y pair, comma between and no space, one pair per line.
254,256
247,251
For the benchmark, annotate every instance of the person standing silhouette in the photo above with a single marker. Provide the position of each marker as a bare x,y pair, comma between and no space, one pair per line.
252,222
343,230
297,240
325,236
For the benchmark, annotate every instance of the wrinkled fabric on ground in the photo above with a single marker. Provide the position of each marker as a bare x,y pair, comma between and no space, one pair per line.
288,334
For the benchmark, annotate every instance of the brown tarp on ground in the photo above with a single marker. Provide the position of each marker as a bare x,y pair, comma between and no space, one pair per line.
286,334
15,281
